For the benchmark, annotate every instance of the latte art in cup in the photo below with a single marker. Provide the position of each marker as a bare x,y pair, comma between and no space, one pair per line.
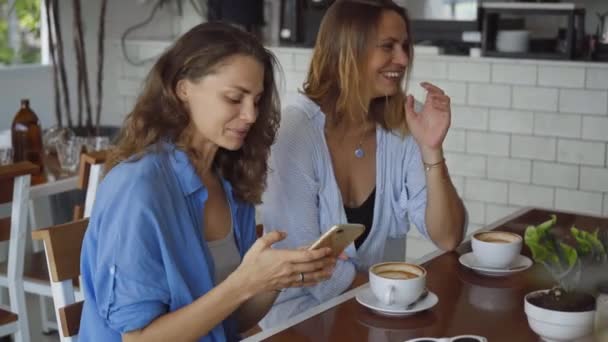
397,283
496,249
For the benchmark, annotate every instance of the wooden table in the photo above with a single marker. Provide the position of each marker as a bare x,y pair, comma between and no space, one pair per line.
468,303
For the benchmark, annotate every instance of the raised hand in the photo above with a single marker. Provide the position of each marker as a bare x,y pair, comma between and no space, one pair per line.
264,268
429,126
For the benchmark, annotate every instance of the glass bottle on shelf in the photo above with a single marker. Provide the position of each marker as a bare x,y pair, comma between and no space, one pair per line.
27,138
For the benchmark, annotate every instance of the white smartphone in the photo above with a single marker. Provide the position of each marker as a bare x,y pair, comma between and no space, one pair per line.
339,237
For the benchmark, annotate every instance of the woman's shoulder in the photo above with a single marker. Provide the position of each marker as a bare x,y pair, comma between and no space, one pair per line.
301,110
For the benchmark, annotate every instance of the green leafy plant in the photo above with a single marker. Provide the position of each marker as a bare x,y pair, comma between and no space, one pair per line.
567,264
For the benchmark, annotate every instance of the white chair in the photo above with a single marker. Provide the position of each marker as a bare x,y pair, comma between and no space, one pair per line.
13,229
62,245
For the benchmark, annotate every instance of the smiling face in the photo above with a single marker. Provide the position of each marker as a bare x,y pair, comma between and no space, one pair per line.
223,105
388,57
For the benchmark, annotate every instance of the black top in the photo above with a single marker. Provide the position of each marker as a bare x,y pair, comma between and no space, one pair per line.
363,215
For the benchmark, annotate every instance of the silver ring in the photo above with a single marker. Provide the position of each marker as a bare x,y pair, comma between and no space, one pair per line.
301,277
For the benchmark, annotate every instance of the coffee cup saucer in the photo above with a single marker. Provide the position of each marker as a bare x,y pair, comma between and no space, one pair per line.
367,298
521,263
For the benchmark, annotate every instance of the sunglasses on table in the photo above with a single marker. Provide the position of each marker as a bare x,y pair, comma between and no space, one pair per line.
462,338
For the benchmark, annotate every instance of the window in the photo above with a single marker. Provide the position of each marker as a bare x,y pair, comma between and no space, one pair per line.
20,32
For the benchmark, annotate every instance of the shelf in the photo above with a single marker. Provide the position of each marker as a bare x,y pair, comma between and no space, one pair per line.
530,6
527,55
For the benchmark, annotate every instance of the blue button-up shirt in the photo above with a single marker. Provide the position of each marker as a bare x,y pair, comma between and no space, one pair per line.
144,254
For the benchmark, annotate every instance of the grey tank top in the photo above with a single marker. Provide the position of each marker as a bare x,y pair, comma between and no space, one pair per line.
226,256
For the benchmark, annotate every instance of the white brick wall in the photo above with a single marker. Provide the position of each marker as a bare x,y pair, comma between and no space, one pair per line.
461,164
429,69
514,74
606,204
557,125
484,190
553,174
477,212
597,78
516,170
495,212
532,98
561,77
581,152
595,128
594,179
531,195
581,201
490,95
583,101
469,117
495,144
529,147
455,141
511,121
476,72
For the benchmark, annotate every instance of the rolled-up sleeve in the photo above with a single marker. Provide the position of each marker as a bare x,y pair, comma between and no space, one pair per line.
413,199
130,283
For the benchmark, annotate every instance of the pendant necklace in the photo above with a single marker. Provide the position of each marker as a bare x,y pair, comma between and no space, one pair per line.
359,152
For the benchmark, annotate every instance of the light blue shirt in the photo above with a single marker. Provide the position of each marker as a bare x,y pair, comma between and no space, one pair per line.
144,253
304,200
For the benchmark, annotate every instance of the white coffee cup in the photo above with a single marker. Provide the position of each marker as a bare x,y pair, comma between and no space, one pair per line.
397,283
496,249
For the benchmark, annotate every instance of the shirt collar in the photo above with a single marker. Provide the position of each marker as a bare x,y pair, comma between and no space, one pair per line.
185,172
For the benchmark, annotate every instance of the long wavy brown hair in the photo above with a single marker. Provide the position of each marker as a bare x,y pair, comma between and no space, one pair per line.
336,78
159,115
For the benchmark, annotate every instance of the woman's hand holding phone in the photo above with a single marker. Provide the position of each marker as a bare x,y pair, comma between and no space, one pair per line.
264,268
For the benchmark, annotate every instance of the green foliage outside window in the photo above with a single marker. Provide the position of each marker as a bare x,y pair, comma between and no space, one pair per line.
28,16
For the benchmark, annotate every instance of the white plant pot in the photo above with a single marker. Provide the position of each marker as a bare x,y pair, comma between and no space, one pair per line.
557,326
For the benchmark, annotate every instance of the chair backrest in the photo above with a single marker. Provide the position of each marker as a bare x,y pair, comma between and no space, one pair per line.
14,230
62,245
89,177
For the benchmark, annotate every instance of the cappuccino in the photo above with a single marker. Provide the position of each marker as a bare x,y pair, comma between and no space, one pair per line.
396,274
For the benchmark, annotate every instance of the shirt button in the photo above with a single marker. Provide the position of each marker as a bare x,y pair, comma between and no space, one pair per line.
112,270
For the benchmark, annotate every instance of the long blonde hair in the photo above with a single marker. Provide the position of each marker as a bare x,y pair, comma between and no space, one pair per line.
335,79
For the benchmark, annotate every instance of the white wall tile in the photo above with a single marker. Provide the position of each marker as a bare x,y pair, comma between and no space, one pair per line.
461,164
484,190
491,95
581,152
476,72
455,141
134,72
476,210
511,121
429,69
469,117
580,201
560,175
561,77
286,60
514,74
583,101
557,125
496,144
516,170
457,91
418,247
606,204
152,49
533,98
302,60
594,179
529,147
530,195
495,212
458,182
595,128
294,81
597,78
